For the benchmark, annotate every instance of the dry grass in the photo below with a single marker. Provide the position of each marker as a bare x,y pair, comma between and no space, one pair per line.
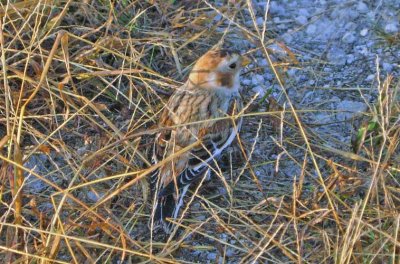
82,84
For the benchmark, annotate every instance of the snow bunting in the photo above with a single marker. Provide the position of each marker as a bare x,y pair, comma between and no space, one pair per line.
194,131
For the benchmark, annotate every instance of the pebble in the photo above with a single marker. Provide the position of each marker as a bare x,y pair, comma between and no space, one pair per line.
391,28
370,77
349,38
257,79
196,206
337,56
246,82
362,7
352,14
387,67
260,21
217,18
211,256
276,9
329,30
351,26
371,15
263,63
311,29
37,164
276,19
93,196
260,90
291,72
304,12
350,59
349,108
201,218
362,49
230,252
222,190
269,76
364,32
287,37
301,20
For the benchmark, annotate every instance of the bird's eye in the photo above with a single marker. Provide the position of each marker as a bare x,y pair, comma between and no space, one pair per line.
232,66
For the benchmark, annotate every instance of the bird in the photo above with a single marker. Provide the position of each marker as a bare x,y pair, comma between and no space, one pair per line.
197,123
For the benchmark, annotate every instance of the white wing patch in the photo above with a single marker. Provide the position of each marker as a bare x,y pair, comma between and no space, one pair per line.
217,151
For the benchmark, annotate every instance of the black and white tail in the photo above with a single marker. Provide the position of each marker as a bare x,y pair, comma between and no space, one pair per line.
167,207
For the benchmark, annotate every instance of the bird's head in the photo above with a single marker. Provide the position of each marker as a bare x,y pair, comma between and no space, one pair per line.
218,69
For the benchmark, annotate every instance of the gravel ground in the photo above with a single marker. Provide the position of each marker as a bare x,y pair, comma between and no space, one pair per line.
339,47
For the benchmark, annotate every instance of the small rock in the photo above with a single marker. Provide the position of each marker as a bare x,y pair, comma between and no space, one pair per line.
350,59
230,252
287,38
246,82
387,67
82,150
263,63
349,37
391,28
322,117
222,190
307,57
370,77
257,79
260,21
282,26
364,32
371,15
353,14
201,218
304,12
223,237
291,72
269,76
345,14
276,9
260,90
212,256
349,108
311,29
93,196
362,7
351,26
329,30
362,49
37,164
301,20
217,18
196,206
277,49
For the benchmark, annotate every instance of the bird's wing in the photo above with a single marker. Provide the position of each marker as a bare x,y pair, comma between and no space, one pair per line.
191,165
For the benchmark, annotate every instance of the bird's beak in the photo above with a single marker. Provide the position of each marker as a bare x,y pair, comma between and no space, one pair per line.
245,61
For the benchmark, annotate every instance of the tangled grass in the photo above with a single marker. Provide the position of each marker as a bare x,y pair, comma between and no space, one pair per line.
82,84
